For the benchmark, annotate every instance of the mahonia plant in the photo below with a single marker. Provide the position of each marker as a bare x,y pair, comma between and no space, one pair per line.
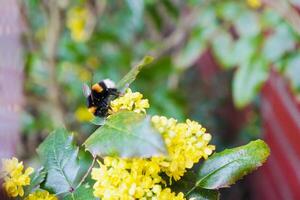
141,178
132,156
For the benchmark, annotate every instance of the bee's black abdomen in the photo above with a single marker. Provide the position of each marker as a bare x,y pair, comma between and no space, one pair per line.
102,111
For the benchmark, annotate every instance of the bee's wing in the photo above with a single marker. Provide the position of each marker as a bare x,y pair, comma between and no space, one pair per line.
86,90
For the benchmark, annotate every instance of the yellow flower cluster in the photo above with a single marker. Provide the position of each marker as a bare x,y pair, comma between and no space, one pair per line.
186,143
254,3
125,178
76,21
130,101
140,178
14,177
167,194
41,195
128,179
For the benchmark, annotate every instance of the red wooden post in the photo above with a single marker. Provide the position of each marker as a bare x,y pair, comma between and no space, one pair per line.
280,176
11,78
209,70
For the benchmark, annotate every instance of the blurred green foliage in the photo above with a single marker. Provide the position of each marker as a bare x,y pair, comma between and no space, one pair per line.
104,39
117,42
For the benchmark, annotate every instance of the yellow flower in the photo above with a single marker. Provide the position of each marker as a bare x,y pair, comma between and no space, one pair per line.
76,21
41,195
187,143
82,114
14,178
119,178
132,101
136,178
167,194
254,3
140,178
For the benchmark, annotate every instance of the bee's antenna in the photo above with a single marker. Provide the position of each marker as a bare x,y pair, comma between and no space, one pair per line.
92,81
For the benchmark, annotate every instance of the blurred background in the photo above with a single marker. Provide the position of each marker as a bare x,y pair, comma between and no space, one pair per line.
232,65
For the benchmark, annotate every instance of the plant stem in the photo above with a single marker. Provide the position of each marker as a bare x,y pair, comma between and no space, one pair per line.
191,190
87,173
55,26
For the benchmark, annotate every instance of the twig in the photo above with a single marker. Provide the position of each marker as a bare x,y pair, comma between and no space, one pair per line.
51,48
29,40
92,18
179,34
87,173
183,28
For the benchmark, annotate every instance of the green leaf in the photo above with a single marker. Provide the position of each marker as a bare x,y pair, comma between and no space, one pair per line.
85,160
247,24
124,83
292,71
244,49
223,45
59,156
248,80
191,52
270,19
35,180
229,10
203,194
185,184
84,192
98,121
126,134
279,43
225,168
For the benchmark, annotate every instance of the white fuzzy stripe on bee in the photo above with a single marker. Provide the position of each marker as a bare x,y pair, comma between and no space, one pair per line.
109,83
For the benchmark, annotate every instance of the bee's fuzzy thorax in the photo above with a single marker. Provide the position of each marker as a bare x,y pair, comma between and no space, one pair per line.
109,83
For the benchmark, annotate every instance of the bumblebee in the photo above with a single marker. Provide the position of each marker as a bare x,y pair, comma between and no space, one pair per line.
99,96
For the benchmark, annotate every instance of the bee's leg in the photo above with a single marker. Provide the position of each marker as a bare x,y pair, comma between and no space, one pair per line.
104,107
114,92
109,110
